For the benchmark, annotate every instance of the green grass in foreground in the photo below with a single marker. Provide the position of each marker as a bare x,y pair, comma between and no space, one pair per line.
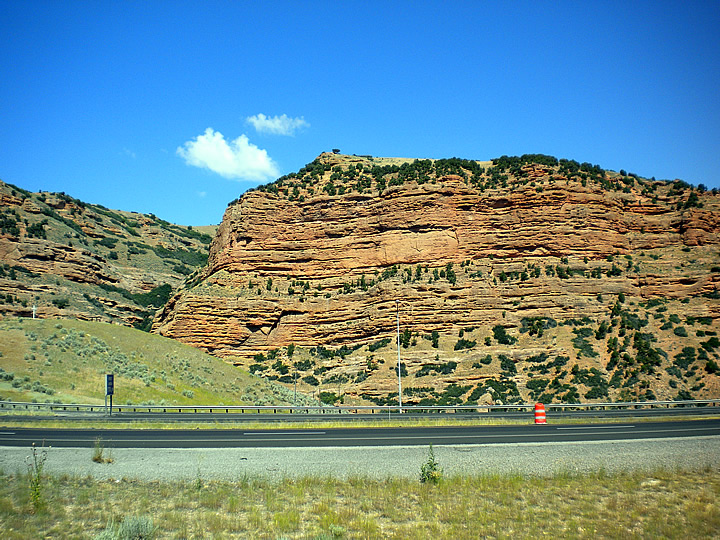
662,504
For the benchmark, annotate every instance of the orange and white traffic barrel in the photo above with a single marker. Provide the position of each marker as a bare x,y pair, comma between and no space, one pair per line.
540,414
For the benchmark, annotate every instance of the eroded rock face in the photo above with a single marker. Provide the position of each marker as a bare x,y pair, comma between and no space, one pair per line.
60,257
328,259
331,241
40,256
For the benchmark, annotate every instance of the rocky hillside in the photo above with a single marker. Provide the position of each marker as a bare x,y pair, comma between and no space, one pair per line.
519,279
70,259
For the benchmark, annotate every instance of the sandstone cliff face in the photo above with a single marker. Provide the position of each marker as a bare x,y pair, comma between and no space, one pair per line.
303,264
72,259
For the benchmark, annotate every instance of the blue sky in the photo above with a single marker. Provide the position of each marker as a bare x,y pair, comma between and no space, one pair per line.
177,108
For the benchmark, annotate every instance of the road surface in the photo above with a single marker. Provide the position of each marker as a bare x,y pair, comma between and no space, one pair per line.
357,436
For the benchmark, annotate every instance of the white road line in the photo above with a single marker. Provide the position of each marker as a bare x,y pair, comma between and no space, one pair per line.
285,433
374,438
597,427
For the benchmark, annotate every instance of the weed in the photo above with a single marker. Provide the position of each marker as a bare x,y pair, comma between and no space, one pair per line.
286,521
430,471
36,464
131,528
198,477
99,455
336,531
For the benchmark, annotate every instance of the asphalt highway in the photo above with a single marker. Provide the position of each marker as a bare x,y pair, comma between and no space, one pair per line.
360,436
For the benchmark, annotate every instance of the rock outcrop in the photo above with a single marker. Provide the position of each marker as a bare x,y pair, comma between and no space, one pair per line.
72,259
325,259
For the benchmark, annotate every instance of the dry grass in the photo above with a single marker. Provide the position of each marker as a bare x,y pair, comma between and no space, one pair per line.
23,421
668,504
70,359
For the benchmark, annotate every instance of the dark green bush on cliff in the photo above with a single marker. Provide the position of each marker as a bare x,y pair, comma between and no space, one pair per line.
501,336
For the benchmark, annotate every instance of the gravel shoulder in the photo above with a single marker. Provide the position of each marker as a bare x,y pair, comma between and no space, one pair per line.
380,462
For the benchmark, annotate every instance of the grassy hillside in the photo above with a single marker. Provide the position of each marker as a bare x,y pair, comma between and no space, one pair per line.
66,361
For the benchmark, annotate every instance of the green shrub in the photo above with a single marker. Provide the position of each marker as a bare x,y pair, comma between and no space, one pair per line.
537,384
304,365
378,344
280,367
571,396
61,303
712,367
439,368
596,393
156,297
680,331
131,528
311,380
477,392
452,394
182,269
487,360
450,274
329,398
190,258
684,358
536,325
647,355
501,336
464,344
602,330
711,344
504,390
507,364
405,338
537,387
106,242
430,471
583,346
37,230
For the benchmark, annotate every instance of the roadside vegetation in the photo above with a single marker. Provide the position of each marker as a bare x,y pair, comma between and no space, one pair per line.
631,349
659,504
65,361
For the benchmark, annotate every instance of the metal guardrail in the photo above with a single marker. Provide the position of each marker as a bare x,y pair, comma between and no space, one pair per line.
356,409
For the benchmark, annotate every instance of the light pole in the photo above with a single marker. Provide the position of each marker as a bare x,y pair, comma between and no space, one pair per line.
397,314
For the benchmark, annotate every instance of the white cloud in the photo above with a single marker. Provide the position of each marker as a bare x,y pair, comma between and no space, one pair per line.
277,125
237,159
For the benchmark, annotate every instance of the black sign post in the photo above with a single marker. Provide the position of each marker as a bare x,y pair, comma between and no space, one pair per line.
109,389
